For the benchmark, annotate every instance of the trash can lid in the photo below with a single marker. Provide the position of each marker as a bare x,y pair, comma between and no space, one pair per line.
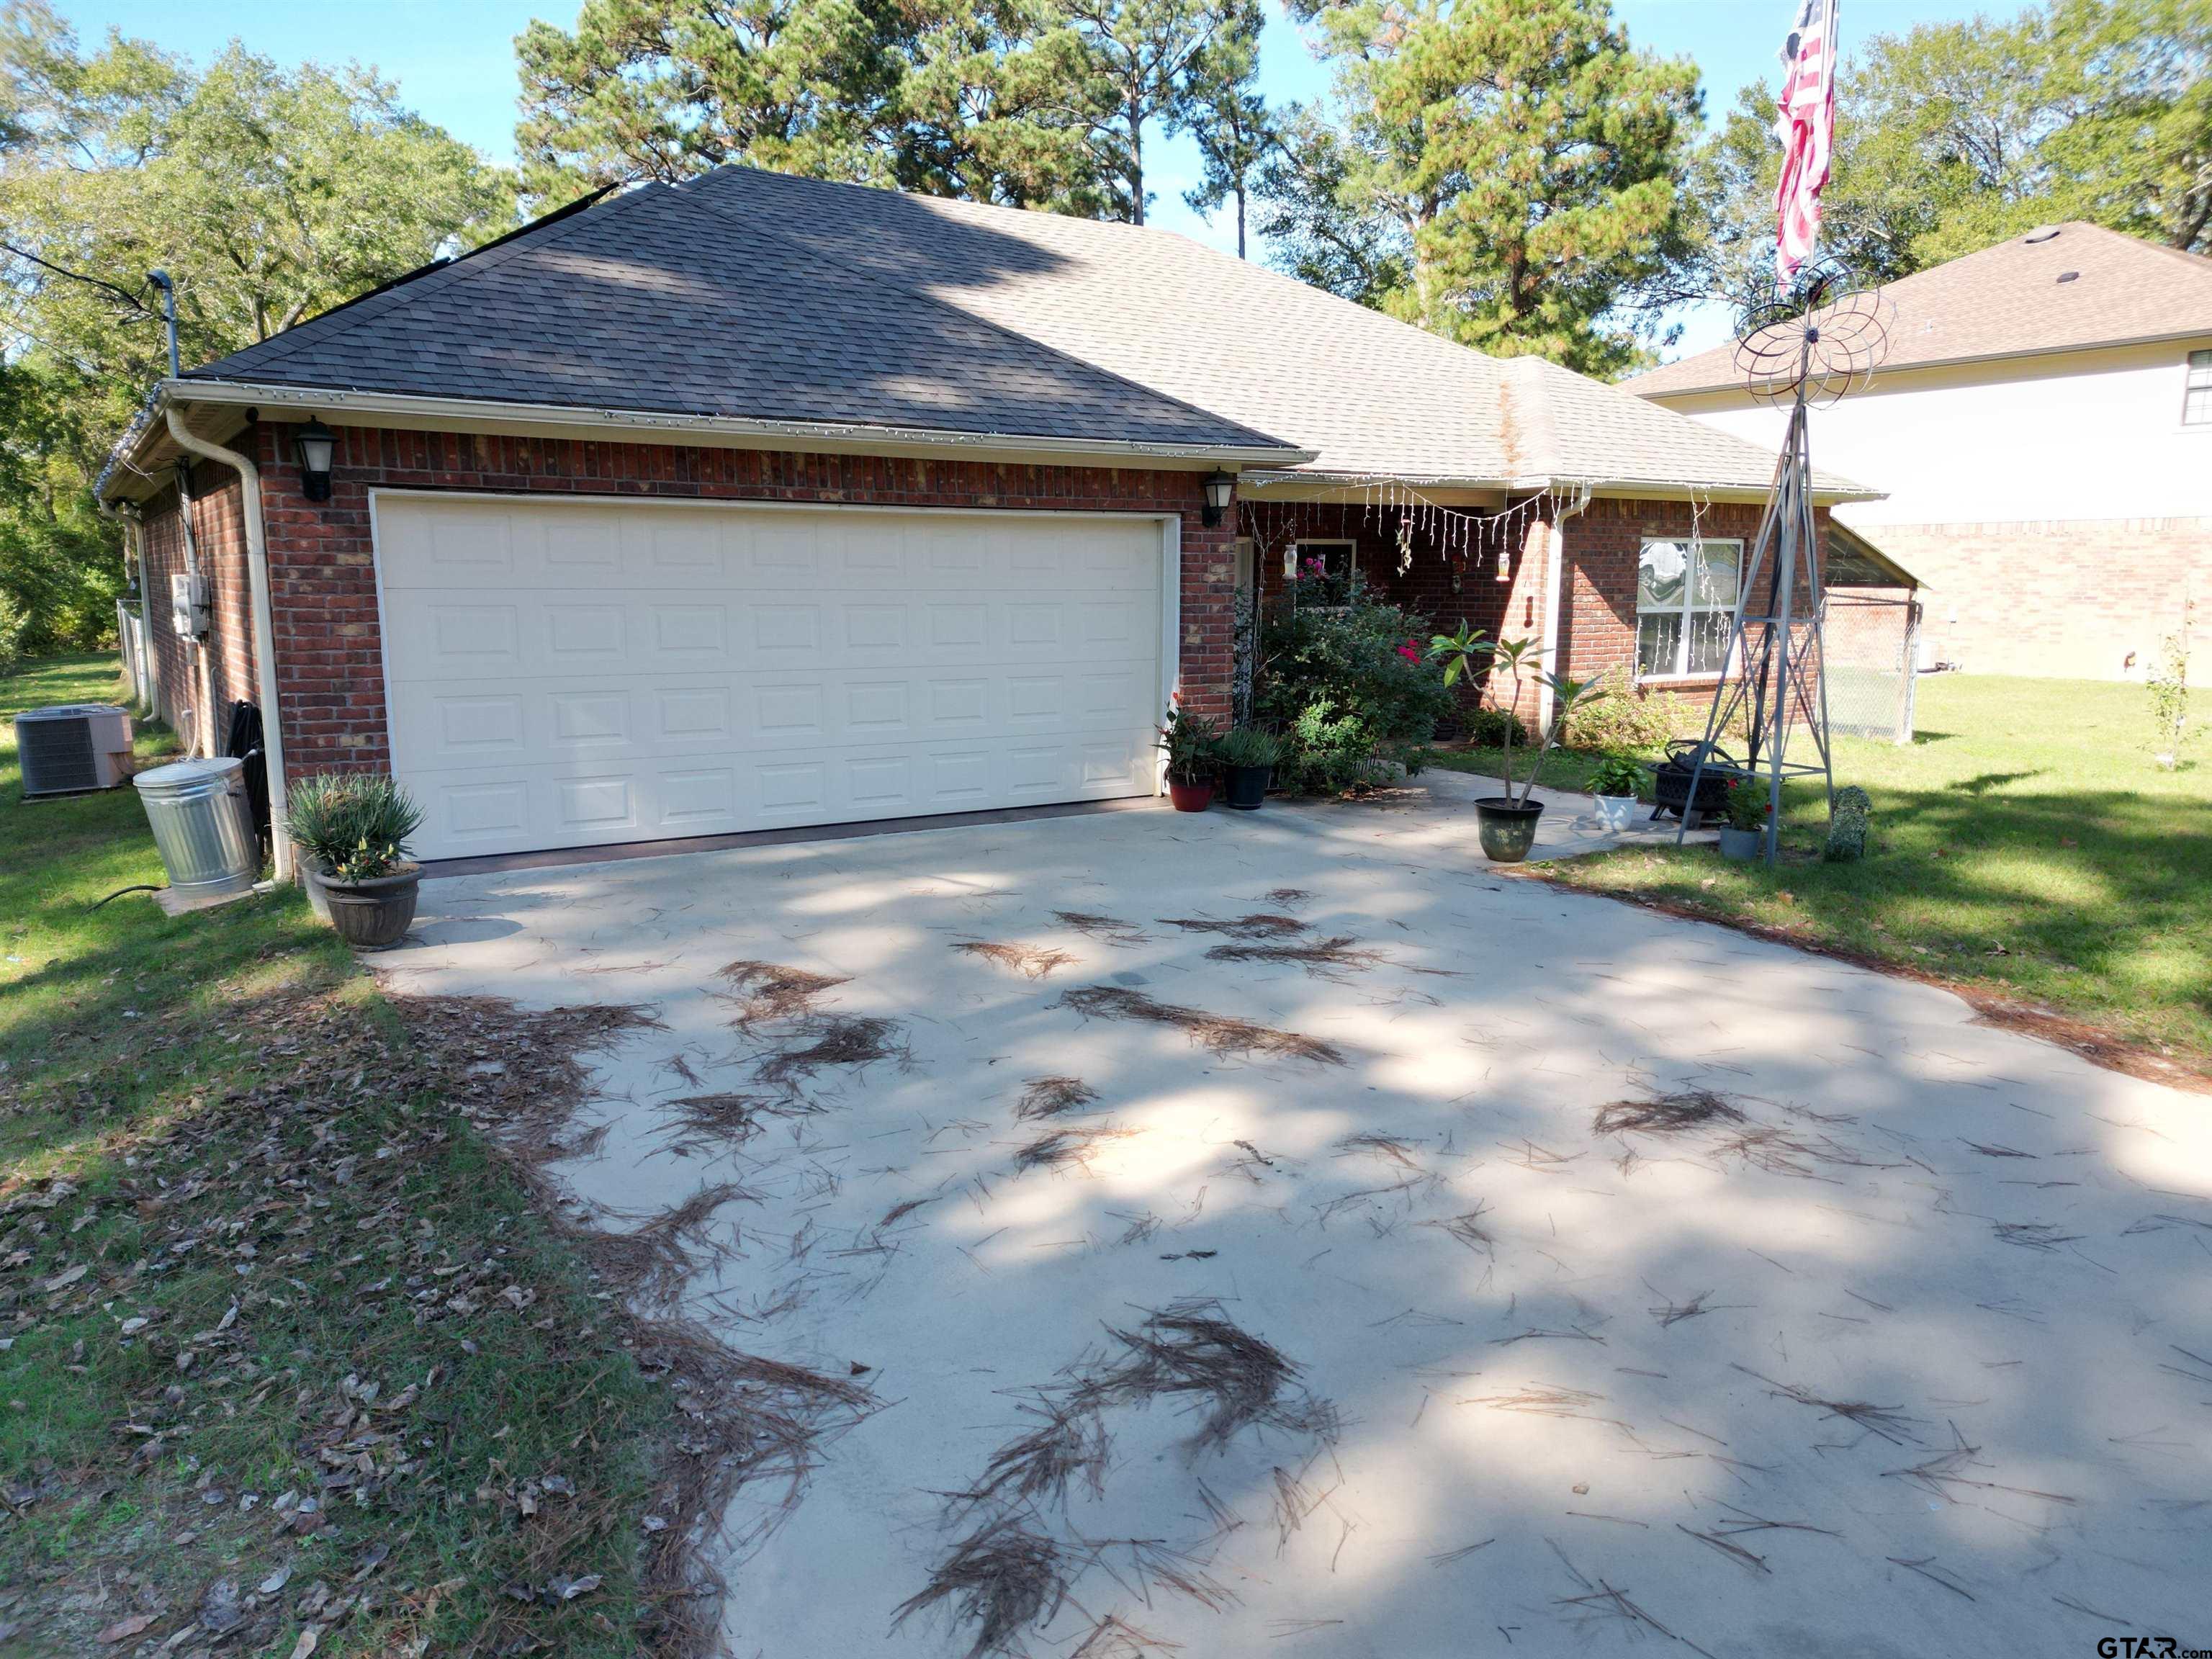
182,774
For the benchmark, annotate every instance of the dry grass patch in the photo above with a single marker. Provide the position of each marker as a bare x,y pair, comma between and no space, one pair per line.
1051,1096
1028,961
1221,1033
769,992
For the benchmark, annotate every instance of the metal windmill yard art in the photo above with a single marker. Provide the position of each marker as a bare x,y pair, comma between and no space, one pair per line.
1806,351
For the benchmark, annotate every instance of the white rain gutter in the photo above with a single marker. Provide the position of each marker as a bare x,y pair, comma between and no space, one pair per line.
472,413
264,629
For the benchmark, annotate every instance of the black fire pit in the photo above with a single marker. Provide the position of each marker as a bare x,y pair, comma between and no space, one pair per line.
1671,781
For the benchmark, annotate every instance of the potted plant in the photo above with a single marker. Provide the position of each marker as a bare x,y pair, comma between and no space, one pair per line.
1247,760
1192,743
1614,786
1743,834
351,830
1507,822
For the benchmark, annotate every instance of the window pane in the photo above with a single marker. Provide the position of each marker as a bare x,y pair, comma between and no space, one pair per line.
2196,408
1659,576
1716,574
1709,638
1659,643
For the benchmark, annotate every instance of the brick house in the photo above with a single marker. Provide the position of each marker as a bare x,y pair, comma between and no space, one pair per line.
2042,430
755,502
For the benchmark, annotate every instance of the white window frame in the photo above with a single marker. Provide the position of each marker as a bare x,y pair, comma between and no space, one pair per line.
1690,545
2196,389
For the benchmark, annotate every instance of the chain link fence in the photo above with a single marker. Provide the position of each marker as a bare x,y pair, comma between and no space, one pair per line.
1870,645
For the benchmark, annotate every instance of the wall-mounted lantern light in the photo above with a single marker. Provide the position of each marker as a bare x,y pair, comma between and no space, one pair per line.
1219,487
313,444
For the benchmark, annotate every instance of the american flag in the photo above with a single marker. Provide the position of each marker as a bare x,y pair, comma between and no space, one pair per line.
1806,124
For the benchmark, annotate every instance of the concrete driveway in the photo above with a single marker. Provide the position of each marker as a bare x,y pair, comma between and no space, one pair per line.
1518,1272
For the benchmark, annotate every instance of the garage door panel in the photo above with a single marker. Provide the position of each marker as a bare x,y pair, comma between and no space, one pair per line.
565,674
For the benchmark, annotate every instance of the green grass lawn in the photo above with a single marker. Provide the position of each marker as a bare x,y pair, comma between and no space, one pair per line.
283,1346
2024,843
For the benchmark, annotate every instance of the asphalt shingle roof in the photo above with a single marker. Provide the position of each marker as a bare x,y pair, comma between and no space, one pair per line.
762,295
2009,301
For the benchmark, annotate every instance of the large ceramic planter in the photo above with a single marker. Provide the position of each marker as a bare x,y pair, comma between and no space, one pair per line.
1507,830
372,915
1742,843
1191,796
1614,811
1248,786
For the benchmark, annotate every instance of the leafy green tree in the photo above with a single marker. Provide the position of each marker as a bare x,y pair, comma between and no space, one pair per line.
268,195
1225,116
1952,137
997,103
1510,173
1149,54
668,88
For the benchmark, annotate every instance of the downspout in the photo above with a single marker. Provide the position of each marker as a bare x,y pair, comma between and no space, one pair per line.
264,627
203,715
1555,534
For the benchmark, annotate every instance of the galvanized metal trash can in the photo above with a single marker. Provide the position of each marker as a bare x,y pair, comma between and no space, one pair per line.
203,824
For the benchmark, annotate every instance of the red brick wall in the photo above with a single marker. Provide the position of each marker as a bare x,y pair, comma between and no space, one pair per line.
219,530
1597,625
323,583
2087,599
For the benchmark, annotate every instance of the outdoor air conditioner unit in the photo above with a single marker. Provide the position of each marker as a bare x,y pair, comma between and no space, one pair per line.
75,747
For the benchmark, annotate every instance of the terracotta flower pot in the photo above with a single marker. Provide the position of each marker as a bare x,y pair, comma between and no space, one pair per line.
1508,829
1191,796
372,915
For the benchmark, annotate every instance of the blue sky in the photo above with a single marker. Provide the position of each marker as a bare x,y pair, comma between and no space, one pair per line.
454,61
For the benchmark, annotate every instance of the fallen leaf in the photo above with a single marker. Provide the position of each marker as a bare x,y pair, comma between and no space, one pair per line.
569,1589
124,1629
310,1639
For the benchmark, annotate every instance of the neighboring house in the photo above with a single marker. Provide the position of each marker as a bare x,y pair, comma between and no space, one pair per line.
755,502
2042,430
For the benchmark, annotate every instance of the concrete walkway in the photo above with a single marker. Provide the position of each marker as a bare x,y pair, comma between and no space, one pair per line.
1569,827
1516,1272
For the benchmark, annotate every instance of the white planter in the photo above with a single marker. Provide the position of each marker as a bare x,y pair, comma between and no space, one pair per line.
1614,811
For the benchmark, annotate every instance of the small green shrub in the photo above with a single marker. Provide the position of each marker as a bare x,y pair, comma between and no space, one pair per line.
1746,805
1488,728
1353,691
1247,745
1618,775
1629,720
12,622
354,826
1847,826
1330,753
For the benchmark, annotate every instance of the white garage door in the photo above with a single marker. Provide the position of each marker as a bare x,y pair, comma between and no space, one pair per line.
568,674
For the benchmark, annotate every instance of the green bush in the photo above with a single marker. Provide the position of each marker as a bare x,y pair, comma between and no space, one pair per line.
352,825
1352,689
1847,829
11,636
1629,721
1486,727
